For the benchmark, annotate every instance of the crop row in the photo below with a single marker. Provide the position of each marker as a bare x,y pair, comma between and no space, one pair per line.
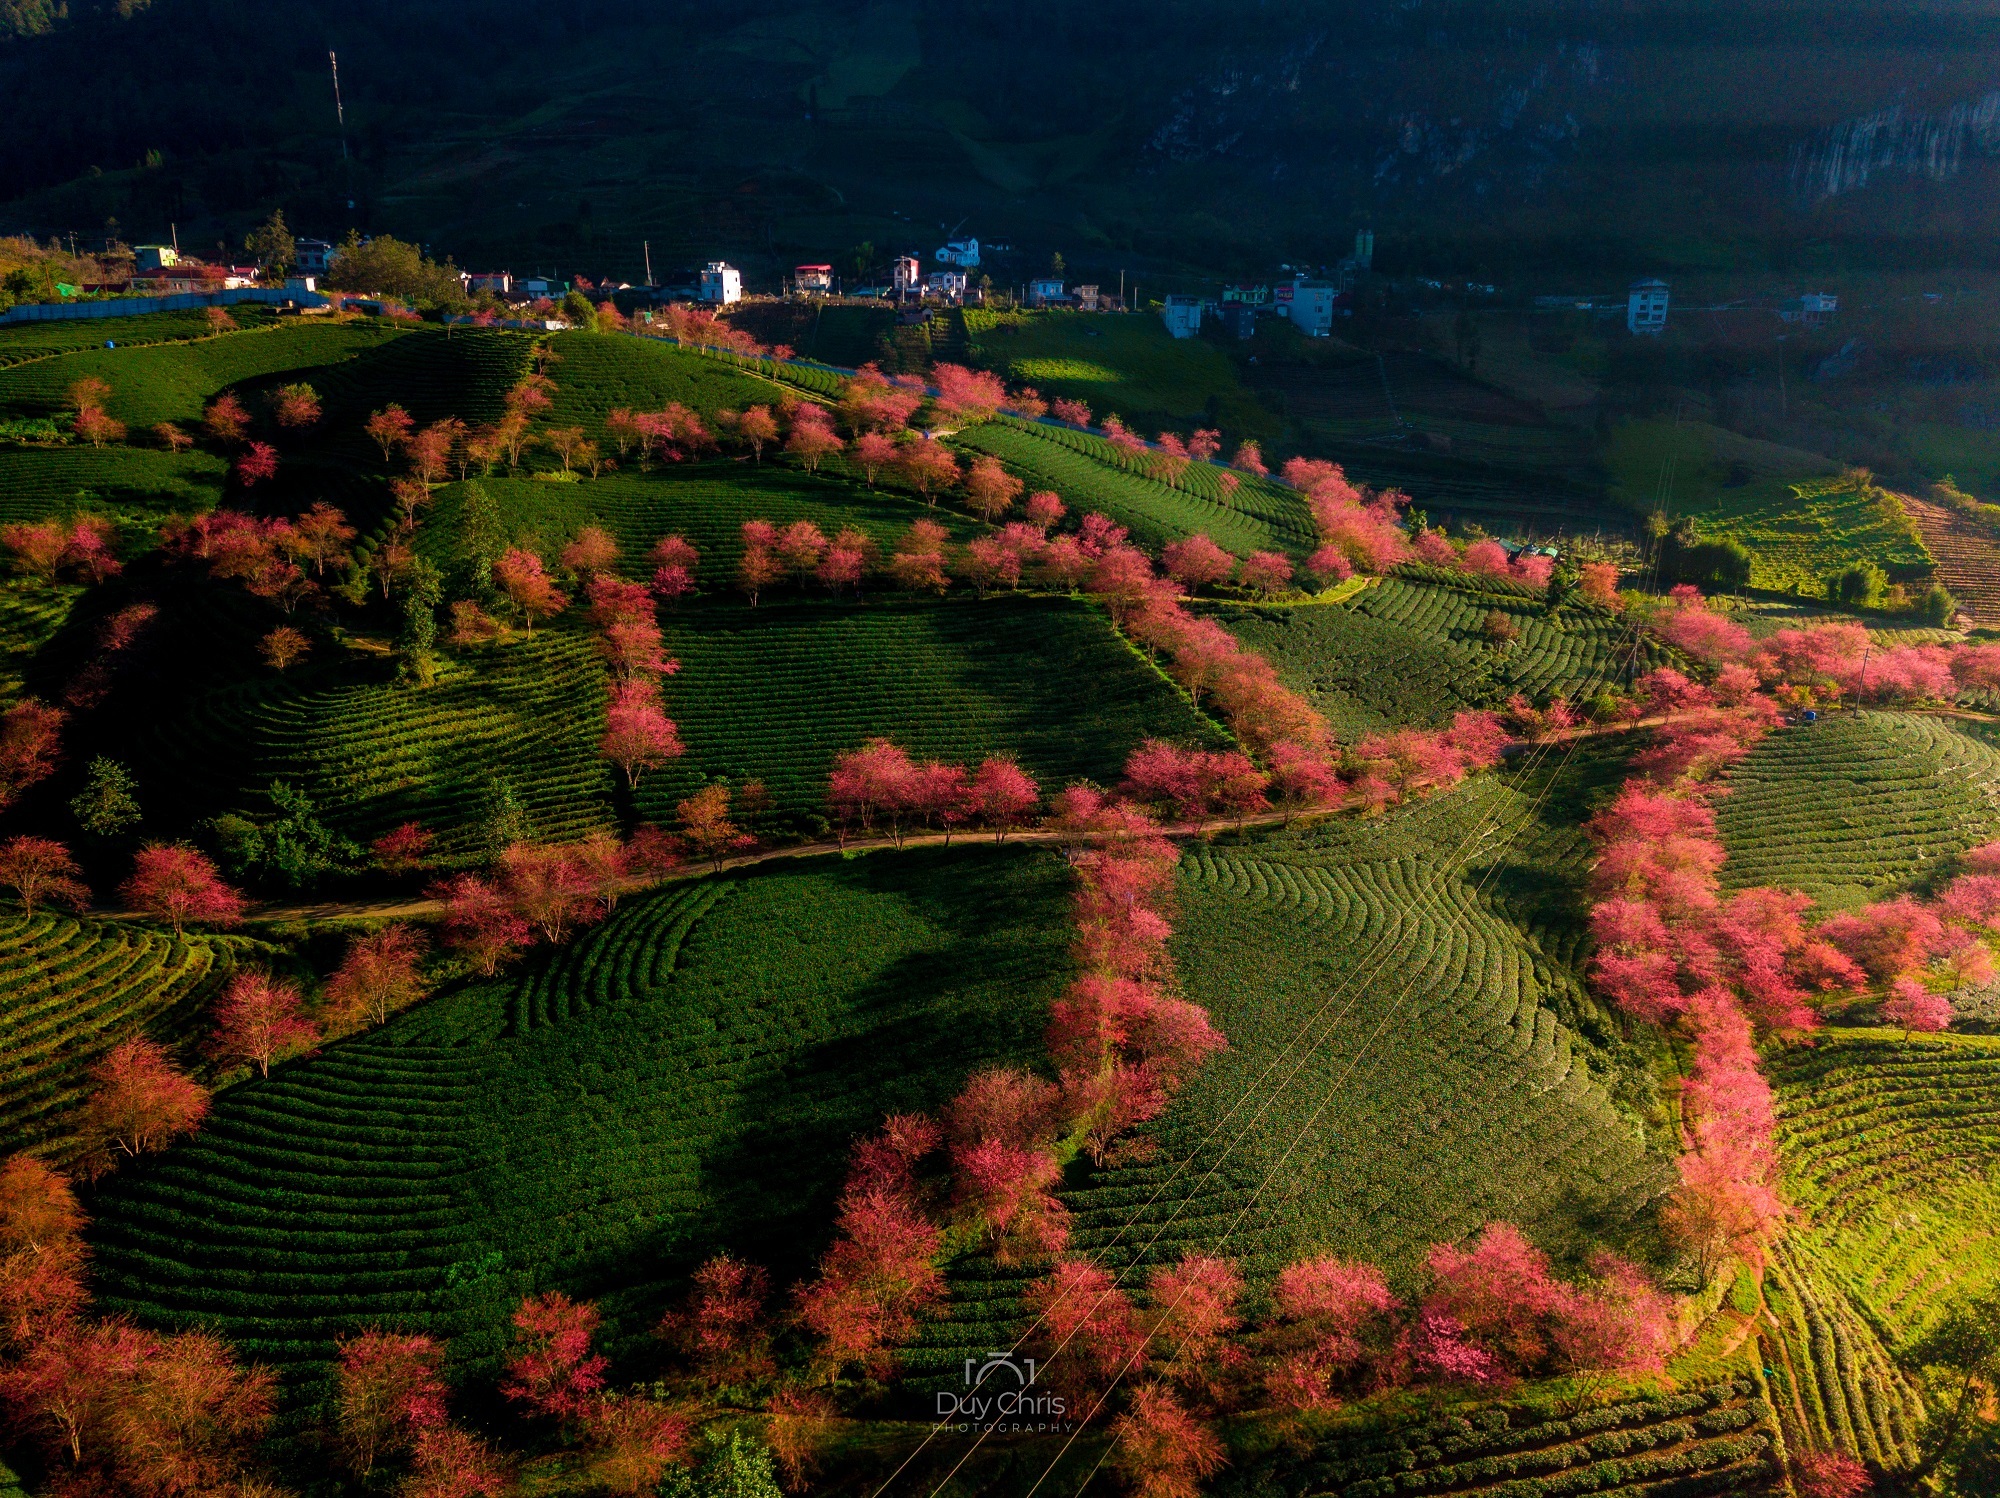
1363,673
597,372
774,693
173,381
1437,1086
31,614
70,990
1835,1368
623,962
20,342
1890,1149
1277,504
1857,807
1577,654
686,1078
1606,1447
327,1197
707,503
39,481
1151,510
372,752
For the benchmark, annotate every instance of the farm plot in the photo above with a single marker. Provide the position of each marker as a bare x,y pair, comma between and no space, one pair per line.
31,614
172,382
1048,457
596,372
1856,808
1411,1055
121,481
1365,673
773,693
70,990
1892,1156
20,342
1836,1386
707,503
326,1198
372,753
687,1077
1713,1439
432,373
1571,657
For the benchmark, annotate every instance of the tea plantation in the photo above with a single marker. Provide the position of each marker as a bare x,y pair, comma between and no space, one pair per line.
70,990
374,753
1079,467
1411,1054
684,1077
173,381
773,693
1855,808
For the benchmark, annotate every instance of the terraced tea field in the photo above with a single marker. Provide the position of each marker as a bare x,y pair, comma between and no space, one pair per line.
1077,466
1575,655
20,342
1711,1439
173,381
707,503
72,989
31,612
137,482
1891,1150
1363,673
1413,982
596,372
1859,808
431,372
687,1076
773,693
372,753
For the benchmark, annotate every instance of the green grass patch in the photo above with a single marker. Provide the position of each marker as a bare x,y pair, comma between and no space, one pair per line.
1128,364
684,1078
1853,809
173,381
1084,471
774,693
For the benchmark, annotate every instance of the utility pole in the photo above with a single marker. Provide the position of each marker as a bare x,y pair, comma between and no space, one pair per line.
339,112
647,246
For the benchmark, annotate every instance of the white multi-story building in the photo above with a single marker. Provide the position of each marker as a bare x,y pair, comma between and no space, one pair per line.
721,283
963,253
1183,315
906,275
1646,307
1308,303
946,283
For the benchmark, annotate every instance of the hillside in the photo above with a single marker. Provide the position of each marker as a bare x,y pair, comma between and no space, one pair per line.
601,936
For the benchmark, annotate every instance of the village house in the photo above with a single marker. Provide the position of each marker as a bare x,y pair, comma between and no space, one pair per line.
1046,292
311,257
1182,315
946,283
1308,303
498,282
906,275
721,283
963,253
1646,307
817,279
